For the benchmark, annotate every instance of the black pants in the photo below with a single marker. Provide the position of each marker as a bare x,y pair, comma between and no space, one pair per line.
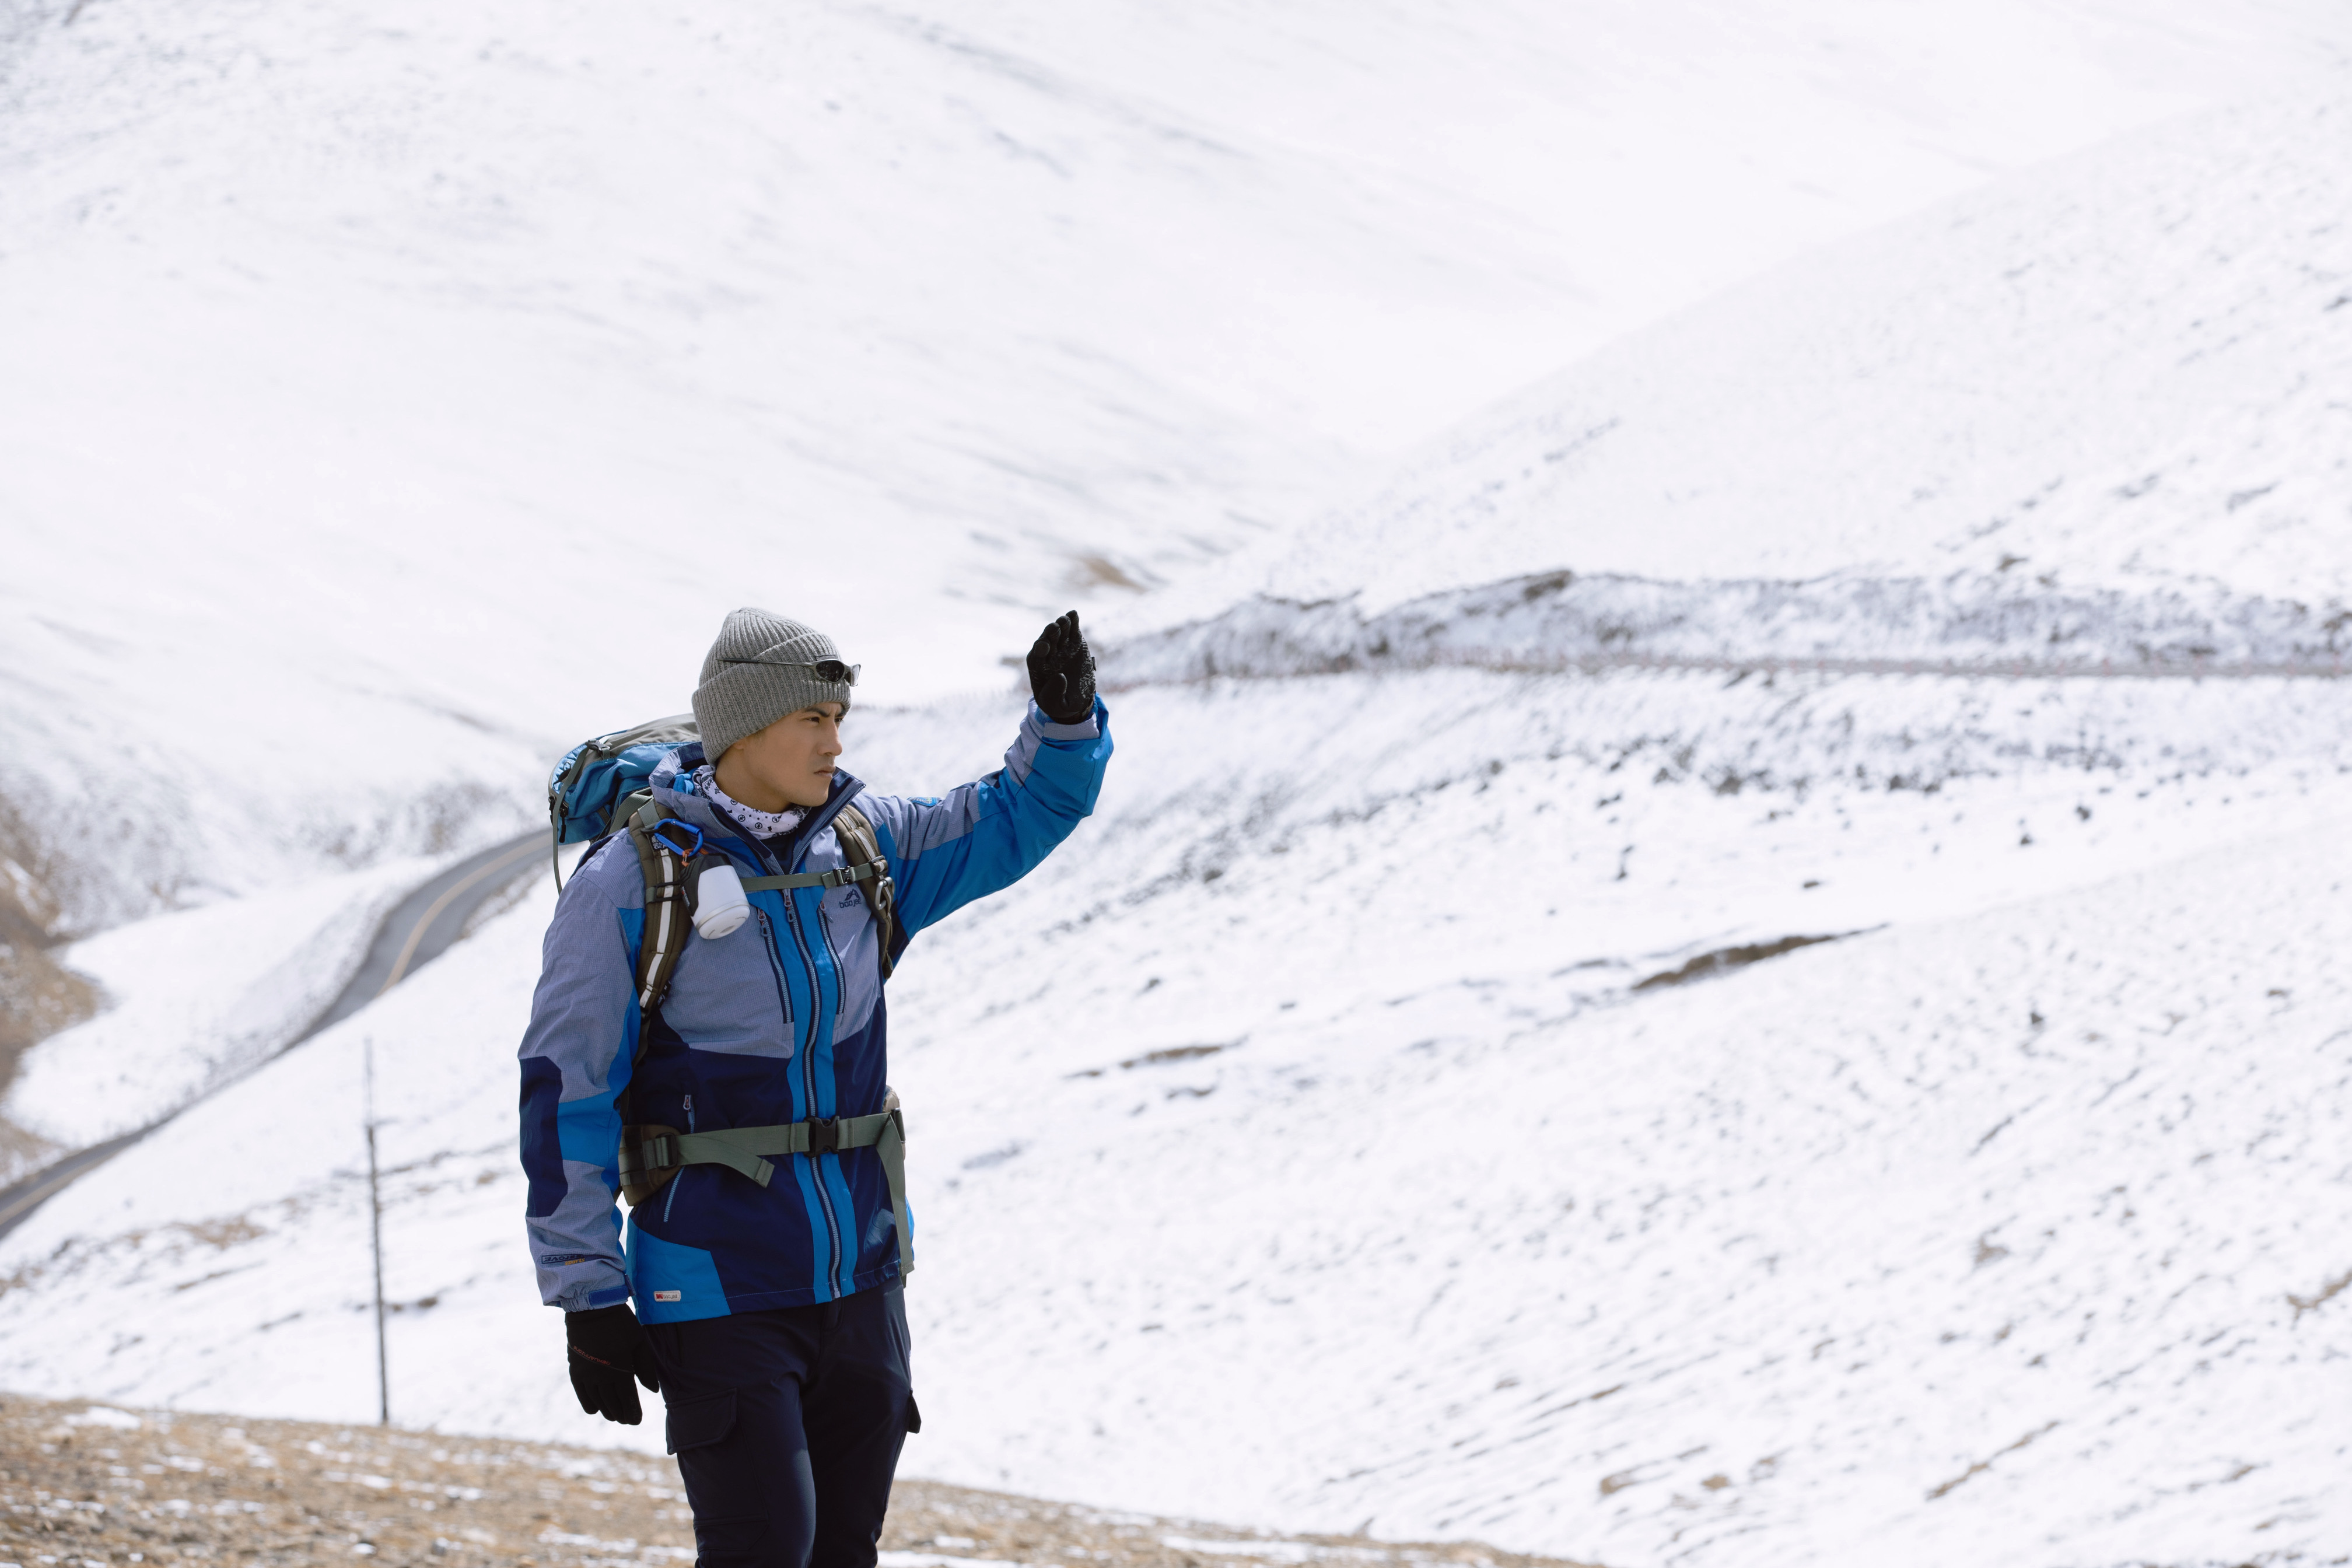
787,1426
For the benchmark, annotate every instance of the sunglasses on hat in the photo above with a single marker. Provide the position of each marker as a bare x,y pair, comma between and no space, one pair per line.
831,671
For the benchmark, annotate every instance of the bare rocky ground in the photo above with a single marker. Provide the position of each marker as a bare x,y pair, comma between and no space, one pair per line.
38,996
84,1485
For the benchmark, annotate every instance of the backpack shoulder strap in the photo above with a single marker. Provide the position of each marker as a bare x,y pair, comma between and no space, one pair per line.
860,846
669,915
670,908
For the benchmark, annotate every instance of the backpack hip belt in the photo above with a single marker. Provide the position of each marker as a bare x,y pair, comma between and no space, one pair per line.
652,1155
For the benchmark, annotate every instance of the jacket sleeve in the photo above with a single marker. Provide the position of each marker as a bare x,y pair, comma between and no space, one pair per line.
576,1058
987,835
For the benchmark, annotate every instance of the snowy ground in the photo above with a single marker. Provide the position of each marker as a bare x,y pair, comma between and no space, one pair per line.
1302,1145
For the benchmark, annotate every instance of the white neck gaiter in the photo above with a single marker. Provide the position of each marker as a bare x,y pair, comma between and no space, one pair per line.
766,823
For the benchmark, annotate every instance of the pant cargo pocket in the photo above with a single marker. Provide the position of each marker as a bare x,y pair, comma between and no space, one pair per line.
701,1421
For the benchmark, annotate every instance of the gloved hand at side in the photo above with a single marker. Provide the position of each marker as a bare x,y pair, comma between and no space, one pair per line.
607,1346
1062,672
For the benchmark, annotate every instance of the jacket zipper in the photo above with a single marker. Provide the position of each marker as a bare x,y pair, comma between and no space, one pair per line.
808,1088
803,841
680,1180
840,995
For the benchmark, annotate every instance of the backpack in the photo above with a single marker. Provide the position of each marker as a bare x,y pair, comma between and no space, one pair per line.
601,788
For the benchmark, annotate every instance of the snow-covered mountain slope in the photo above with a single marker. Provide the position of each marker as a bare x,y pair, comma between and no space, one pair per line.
1412,1100
2090,411
192,999
405,396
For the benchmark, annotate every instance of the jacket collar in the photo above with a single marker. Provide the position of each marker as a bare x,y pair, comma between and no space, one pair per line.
672,786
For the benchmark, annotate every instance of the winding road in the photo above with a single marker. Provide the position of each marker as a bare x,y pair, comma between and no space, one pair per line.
417,930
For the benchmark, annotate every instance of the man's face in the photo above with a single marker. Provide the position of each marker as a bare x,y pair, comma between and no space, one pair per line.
790,762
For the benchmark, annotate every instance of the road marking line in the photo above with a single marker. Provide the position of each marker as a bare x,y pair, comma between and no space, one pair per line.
416,932
37,1194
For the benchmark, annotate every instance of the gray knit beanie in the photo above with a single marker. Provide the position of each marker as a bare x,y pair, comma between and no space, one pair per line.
757,672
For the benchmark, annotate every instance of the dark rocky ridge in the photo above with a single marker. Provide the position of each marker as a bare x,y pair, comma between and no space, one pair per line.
1992,623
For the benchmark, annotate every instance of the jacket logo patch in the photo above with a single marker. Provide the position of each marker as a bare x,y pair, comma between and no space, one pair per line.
667,1295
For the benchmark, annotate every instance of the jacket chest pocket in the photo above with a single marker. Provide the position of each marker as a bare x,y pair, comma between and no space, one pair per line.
849,928
728,995
847,920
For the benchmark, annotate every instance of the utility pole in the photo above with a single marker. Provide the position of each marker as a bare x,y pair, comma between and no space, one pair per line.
376,1237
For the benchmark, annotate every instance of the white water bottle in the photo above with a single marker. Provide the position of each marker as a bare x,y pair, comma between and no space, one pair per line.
719,905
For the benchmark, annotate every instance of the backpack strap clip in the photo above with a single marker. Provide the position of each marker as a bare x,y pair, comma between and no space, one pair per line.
673,831
649,1157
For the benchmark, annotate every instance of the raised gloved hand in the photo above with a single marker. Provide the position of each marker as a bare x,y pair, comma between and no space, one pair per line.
1062,672
607,1346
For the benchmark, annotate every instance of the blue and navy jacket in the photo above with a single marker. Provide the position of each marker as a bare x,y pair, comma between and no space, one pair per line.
781,1020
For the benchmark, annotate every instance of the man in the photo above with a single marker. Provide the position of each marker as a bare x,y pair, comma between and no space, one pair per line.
768,1311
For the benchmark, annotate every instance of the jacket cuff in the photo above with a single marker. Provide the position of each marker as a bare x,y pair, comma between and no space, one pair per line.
605,1285
1086,729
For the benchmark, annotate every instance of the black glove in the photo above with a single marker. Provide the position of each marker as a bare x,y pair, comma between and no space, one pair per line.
607,1345
1062,672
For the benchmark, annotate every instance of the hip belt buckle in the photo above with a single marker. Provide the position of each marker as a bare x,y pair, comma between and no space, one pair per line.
654,1154
823,1135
